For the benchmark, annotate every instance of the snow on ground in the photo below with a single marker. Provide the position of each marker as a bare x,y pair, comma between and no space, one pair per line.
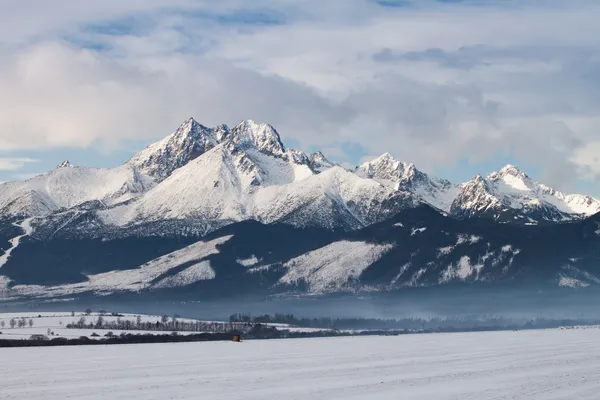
532,365
58,321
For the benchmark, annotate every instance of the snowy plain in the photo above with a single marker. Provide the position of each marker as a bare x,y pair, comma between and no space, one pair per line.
57,323
550,364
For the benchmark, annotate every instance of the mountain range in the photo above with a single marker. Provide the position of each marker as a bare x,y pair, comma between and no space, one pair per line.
178,214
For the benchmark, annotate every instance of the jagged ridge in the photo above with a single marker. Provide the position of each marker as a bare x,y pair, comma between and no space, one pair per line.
209,177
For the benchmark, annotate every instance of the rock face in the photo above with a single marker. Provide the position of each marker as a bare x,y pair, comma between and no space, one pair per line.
199,181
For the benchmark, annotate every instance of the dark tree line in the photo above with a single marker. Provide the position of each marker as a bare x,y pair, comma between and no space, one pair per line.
165,324
411,324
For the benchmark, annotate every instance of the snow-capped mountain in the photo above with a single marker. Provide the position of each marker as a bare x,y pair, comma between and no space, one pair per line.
436,192
199,179
67,186
216,208
510,195
251,175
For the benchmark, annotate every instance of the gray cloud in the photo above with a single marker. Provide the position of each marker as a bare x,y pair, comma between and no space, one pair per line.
430,83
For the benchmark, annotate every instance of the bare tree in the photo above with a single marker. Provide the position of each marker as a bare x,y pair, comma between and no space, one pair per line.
164,319
138,321
2,324
13,322
30,322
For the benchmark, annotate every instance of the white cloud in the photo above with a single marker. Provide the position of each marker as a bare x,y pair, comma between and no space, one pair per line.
588,157
430,83
14,163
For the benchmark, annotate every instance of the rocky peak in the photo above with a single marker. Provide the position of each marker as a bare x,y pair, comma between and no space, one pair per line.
221,132
476,187
319,163
476,196
386,167
191,131
508,170
64,164
297,157
189,141
264,137
477,180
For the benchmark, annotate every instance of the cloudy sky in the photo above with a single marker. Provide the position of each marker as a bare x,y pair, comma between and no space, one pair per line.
457,87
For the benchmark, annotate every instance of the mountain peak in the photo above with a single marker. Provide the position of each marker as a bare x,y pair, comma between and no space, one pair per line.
190,127
388,168
64,164
319,163
264,137
511,170
318,156
384,158
189,141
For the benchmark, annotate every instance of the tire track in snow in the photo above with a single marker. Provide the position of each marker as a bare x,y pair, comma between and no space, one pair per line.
26,226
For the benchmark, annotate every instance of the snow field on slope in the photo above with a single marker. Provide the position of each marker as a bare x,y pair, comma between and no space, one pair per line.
524,365
332,266
14,242
142,277
68,187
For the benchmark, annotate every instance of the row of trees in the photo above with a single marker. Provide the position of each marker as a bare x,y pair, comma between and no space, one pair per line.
413,324
165,324
17,322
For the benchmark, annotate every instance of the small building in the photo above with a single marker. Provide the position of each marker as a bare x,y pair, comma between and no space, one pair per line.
237,338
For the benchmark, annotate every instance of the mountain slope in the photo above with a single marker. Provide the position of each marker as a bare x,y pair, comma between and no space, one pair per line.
419,247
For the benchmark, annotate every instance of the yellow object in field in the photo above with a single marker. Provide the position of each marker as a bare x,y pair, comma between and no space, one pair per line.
237,338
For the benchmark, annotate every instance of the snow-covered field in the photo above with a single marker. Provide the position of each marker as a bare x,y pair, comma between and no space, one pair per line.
552,364
57,323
